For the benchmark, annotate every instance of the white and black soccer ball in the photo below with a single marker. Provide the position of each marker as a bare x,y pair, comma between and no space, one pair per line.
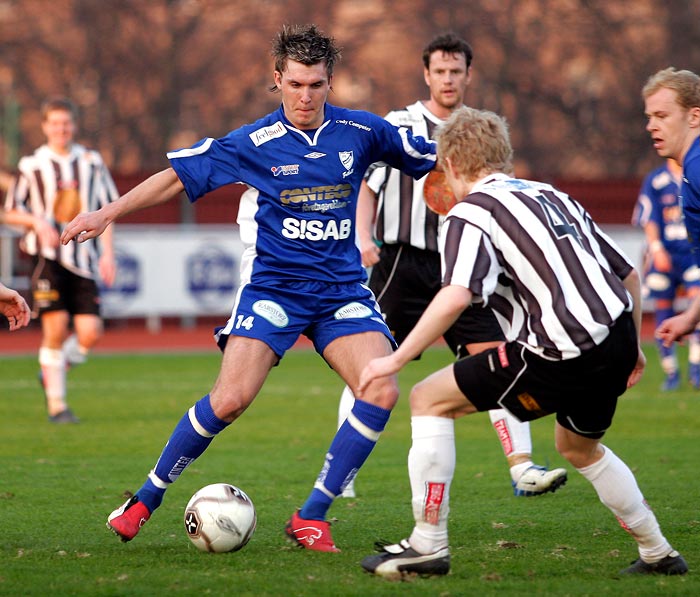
220,518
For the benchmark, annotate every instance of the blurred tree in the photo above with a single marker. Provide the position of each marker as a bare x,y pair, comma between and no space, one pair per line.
153,75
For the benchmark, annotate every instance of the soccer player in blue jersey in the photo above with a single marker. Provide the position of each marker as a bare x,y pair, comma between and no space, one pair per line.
669,263
672,107
300,273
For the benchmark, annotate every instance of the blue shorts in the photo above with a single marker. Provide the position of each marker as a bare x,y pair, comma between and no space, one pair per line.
278,314
665,285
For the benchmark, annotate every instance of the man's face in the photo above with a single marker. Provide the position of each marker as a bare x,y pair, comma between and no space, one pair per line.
304,91
59,129
447,77
668,124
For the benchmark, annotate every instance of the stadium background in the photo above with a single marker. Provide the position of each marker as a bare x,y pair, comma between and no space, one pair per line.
156,75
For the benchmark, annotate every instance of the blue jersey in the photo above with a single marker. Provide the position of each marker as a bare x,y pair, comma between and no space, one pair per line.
690,196
659,203
297,220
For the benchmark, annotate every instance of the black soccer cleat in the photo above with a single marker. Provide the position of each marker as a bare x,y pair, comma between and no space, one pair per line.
401,559
671,565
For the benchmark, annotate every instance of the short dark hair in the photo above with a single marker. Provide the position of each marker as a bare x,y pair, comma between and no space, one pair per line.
449,43
58,103
304,44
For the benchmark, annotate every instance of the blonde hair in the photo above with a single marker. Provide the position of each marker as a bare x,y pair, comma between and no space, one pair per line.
685,83
475,141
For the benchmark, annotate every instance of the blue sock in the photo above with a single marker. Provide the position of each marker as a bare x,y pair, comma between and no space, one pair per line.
191,437
350,448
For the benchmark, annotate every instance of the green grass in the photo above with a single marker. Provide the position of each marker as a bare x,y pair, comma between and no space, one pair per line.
58,483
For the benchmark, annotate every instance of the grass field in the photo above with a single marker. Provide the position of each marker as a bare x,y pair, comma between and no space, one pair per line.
59,483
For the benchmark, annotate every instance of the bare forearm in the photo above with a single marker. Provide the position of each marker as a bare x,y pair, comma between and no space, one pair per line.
157,189
440,314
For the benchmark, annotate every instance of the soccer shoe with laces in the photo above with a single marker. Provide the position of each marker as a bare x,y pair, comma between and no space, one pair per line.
127,520
537,480
65,416
671,565
310,534
400,559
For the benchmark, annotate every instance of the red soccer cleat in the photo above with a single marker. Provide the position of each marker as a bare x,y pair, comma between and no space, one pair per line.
310,534
127,520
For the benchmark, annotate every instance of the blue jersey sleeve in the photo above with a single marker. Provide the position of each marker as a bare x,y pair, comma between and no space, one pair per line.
398,147
207,165
690,193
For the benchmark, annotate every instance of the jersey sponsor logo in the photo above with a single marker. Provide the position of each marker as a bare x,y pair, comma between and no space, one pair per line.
353,310
434,495
503,356
357,125
314,155
268,133
531,404
287,170
323,193
316,230
272,312
347,159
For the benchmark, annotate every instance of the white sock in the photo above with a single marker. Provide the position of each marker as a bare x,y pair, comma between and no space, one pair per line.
431,466
76,353
618,490
347,401
53,371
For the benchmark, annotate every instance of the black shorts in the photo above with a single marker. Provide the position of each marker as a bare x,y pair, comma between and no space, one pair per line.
406,279
583,391
54,288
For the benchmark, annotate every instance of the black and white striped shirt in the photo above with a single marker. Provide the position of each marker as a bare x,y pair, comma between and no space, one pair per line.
553,278
402,215
58,188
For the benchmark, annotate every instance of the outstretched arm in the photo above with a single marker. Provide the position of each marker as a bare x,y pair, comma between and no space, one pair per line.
440,314
157,189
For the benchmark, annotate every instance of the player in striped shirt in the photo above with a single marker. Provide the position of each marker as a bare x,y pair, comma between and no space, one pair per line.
569,303
60,180
406,271
300,270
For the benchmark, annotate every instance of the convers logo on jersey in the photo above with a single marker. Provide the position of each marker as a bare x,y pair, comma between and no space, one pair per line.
347,159
285,170
268,133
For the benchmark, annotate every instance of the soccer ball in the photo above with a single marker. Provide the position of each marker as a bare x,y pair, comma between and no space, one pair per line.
220,518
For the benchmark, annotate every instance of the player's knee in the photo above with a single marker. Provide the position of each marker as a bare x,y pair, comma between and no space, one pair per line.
382,392
423,401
